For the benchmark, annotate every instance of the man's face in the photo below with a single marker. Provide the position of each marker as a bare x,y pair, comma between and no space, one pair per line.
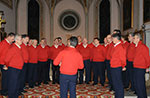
34,42
26,40
85,41
19,40
130,37
136,39
96,42
114,40
11,39
109,38
56,42
79,39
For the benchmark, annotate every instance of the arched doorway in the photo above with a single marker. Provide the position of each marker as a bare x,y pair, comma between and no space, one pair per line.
33,19
104,19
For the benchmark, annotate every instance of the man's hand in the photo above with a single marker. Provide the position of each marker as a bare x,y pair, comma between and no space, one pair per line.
5,67
124,69
147,70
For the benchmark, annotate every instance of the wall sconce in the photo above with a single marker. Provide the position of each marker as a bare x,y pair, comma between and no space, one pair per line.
2,20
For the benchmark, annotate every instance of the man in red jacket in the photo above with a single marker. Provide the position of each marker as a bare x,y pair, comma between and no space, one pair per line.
98,58
141,65
55,49
117,63
42,61
14,61
108,57
130,57
70,61
60,42
25,54
125,76
33,64
84,50
4,46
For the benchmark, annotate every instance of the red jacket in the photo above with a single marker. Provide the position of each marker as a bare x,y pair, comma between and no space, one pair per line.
85,52
125,45
108,51
118,57
70,59
91,45
25,52
62,46
42,53
54,51
48,49
141,57
98,53
4,46
14,57
33,54
131,52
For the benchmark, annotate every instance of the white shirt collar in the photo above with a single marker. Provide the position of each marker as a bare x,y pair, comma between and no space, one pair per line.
43,46
34,46
17,45
117,43
56,46
96,45
25,44
7,41
84,45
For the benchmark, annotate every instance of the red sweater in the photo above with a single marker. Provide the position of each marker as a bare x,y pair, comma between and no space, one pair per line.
118,57
108,51
85,52
62,46
91,45
98,53
54,51
70,59
141,58
33,54
14,57
130,52
48,49
4,46
25,52
42,53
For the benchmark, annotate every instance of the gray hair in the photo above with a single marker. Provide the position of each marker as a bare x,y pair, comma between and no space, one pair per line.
17,37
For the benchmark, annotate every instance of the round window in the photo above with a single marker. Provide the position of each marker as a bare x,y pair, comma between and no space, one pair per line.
69,20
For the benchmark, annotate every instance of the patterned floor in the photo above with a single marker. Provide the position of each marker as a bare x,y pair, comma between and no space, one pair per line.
83,91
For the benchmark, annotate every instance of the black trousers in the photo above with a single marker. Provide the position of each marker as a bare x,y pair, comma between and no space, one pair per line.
4,80
22,77
13,83
99,70
42,72
139,83
56,73
33,74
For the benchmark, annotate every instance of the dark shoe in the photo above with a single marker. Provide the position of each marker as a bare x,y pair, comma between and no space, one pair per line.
20,94
45,82
94,84
24,91
53,82
87,83
102,84
31,86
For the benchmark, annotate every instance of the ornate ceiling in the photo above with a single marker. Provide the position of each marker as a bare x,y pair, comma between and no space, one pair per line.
50,3
8,3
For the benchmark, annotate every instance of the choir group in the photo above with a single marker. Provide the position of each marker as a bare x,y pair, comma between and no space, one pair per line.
124,61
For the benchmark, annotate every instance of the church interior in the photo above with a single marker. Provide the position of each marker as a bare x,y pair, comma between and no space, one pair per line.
64,18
